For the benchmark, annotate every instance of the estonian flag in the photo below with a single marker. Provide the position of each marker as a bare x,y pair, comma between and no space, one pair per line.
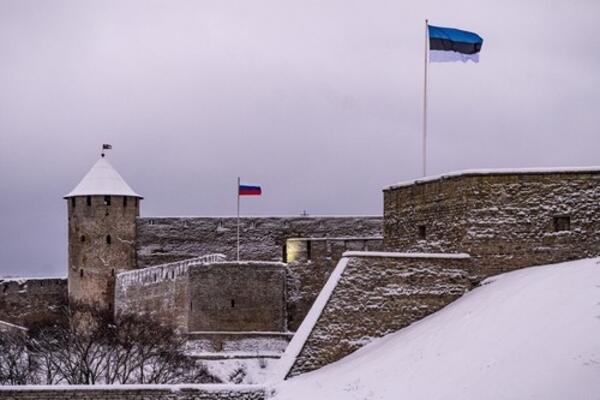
449,44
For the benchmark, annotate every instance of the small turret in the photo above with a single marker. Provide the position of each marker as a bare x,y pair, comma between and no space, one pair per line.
102,211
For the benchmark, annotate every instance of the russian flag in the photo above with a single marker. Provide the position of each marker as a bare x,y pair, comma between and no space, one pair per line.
449,44
248,190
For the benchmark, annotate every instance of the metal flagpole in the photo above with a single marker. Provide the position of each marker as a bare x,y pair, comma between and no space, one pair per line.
238,218
425,100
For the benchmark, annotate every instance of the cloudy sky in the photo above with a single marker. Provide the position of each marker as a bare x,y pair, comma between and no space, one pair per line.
318,101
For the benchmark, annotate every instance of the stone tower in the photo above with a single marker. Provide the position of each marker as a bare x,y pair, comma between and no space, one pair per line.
102,211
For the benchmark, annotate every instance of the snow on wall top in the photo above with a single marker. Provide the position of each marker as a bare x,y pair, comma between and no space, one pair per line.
498,171
102,179
162,271
405,255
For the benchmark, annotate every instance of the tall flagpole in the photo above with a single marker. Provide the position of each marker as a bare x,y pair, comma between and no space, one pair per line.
238,218
425,100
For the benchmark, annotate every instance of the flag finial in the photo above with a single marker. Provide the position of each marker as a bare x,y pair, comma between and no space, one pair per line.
105,147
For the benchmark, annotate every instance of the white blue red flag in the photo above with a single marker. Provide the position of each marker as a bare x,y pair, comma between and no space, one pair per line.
249,190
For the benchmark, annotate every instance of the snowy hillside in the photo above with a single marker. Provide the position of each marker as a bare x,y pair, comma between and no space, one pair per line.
529,334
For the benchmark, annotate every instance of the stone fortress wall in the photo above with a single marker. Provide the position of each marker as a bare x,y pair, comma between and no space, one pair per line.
310,262
167,239
369,295
24,301
504,219
207,294
135,392
310,246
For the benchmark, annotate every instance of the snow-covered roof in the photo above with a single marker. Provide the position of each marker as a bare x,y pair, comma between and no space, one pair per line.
498,171
102,179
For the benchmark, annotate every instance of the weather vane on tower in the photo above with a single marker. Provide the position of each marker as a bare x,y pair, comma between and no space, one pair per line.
105,147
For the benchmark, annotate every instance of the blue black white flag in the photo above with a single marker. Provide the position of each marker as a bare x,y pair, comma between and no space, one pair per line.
449,44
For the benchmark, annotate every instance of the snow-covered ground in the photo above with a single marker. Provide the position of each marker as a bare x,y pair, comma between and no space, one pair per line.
528,334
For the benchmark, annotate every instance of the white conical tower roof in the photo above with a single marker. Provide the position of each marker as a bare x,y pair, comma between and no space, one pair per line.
102,180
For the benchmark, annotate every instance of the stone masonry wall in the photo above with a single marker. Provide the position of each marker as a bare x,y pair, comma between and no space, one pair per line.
310,262
244,296
377,295
145,392
161,240
25,301
101,244
160,292
505,221
207,296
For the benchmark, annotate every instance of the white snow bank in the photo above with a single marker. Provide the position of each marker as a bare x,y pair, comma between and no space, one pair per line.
533,333
496,171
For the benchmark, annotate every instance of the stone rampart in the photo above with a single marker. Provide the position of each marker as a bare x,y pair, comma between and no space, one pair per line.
168,239
504,219
310,262
238,296
134,392
203,294
24,301
370,295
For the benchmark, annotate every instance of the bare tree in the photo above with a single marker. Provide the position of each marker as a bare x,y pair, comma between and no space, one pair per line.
16,367
100,350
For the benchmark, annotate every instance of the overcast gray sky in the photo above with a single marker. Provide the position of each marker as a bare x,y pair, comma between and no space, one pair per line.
317,101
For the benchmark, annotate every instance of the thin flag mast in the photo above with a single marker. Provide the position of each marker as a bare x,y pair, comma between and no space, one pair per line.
244,190
237,189
445,45
424,139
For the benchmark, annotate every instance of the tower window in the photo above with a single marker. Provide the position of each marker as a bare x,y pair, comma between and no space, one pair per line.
108,239
73,202
88,200
107,200
136,201
82,238
232,303
422,232
308,249
109,306
284,255
112,272
81,273
124,201
562,223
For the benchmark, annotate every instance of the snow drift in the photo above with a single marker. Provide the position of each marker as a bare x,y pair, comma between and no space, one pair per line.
533,333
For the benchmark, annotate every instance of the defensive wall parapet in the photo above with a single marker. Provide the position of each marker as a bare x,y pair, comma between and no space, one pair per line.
27,300
204,294
167,239
505,219
134,392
